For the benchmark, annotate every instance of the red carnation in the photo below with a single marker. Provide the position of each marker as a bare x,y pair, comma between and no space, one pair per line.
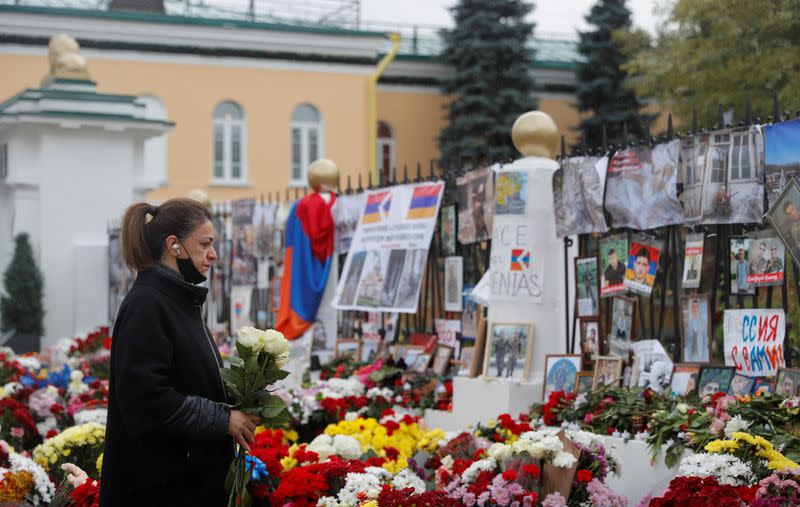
56,408
532,470
584,476
510,475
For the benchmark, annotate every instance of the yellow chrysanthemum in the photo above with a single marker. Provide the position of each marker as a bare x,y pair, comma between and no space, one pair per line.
722,446
99,464
371,503
288,463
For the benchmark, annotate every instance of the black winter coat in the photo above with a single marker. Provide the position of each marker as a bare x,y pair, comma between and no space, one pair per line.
166,436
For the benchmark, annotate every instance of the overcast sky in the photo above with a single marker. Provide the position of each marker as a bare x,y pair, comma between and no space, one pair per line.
554,16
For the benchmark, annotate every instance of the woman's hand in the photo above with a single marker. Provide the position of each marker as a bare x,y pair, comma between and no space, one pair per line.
241,427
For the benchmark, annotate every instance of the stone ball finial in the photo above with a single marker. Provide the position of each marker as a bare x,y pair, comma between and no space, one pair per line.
323,175
535,134
201,196
65,59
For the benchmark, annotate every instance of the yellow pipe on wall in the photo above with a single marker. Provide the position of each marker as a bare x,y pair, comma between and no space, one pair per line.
372,125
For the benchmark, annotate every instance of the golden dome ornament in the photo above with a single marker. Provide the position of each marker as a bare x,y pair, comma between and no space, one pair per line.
535,134
323,176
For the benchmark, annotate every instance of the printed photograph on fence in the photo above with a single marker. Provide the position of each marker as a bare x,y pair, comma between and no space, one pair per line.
511,193
263,223
684,379
447,332
587,287
641,189
346,211
640,274
243,256
583,382
475,196
347,347
714,379
420,364
120,278
692,173
741,385
453,284
753,341
781,157
469,316
619,339
322,339
465,360
590,341
763,386
739,252
388,278
733,188
578,189
787,381
693,261
508,350
607,371
695,329
369,350
785,218
371,327
613,264
652,365
441,359
559,373
766,256
448,229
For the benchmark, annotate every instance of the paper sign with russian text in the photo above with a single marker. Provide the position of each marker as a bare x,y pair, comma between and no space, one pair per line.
754,341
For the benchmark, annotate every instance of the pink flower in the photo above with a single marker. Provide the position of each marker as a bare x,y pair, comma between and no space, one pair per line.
588,418
17,432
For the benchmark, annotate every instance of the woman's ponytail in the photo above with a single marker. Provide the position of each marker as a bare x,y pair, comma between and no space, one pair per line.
134,235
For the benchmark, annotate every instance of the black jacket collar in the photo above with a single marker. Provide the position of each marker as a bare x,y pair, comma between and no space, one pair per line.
172,283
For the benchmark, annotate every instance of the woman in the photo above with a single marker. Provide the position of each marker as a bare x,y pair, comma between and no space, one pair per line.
169,436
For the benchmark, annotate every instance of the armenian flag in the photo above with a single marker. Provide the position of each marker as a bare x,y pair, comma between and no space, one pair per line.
424,201
377,208
309,251
520,259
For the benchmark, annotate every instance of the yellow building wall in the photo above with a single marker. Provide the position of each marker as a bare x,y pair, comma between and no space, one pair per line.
190,93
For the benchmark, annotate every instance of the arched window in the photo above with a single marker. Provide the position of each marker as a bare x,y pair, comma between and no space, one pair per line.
307,142
386,153
230,144
155,149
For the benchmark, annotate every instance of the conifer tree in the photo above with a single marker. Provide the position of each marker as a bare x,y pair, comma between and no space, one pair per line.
21,306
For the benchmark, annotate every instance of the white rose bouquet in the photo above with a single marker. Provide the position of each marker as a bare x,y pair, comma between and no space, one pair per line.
260,355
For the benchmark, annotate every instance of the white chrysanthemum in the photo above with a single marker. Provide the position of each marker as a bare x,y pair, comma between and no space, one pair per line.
499,451
45,489
340,388
380,391
363,487
406,478
29,362
736,424
447,462
346,447
472,471
726,468
327,501
95,415
564,460
585,438
45,426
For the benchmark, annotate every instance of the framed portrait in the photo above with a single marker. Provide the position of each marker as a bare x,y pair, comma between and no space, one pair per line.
587,287
410,354
607,371
511,191
623,316
421,363
766,264
475,197
684,379
346,347
591,338
613,264
469,314
763,385
643,256
739,252
741,385
784,216
448,229
465,360
787,382
714,379
453,284
696,337
508,350
583,382
693,260
560,371
369,350
441,359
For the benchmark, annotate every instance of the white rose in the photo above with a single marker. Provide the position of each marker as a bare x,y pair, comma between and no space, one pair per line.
281,360
499,451
249,337
274,343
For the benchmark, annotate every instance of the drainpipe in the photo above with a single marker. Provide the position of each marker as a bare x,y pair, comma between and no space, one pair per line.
372,125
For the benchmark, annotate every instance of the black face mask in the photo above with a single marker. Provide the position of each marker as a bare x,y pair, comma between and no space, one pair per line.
189,272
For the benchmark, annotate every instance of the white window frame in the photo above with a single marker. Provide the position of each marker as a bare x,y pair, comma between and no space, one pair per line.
227,151
305,127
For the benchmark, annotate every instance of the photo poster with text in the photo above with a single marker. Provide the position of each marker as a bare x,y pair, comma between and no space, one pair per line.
516,263
781,157
346,211
447,332
766,264
754,341
384,268
693,261
643,257
243,254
